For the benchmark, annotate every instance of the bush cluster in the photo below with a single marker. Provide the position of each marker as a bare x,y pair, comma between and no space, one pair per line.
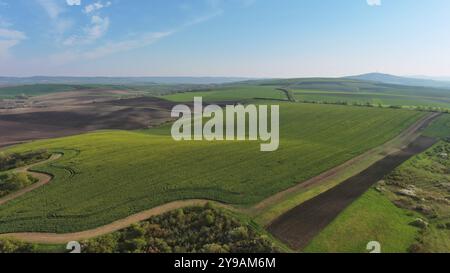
190,230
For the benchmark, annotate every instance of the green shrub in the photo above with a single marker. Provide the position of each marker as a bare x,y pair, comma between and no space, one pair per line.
193,230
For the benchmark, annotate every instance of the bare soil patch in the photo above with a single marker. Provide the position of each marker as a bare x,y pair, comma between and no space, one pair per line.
300,225
71,113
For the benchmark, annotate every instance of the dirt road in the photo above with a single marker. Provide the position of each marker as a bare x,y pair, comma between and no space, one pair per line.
42,177
53,238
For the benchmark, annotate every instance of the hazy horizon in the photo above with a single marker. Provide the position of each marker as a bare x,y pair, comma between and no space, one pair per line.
424,77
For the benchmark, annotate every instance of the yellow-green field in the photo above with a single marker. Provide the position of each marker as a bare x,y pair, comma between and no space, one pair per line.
106,176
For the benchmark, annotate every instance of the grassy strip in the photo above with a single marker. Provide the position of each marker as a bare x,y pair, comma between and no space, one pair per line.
371,218
440,127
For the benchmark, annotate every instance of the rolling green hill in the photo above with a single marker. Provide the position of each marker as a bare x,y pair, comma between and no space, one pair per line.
327,90
109,175
392,79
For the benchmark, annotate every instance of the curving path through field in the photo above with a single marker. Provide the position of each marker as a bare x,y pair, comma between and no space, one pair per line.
404,139
42,177
54,238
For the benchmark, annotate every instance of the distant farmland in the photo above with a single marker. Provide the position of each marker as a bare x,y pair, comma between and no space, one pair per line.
235,93
110,175
331,91
35,90
372,98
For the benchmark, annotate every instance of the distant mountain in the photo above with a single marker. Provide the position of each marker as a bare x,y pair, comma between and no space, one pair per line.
118,80
446,79
391,79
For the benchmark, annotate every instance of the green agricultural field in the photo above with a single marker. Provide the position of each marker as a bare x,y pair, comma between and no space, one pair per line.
237,93
383,99
371,218
354,86
440,127
334,90
109,175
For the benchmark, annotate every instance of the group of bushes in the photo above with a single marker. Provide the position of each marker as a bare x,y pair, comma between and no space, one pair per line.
12,161
191,230
13,246
11,182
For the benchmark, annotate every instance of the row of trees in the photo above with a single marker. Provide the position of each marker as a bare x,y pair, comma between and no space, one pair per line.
379,105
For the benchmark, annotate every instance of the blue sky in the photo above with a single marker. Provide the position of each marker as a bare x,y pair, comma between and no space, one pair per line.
251,38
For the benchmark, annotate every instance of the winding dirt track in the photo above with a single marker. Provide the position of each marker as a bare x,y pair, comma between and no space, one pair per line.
42,177
54,238
402,140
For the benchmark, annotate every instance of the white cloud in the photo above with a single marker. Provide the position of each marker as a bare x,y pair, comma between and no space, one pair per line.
110,48
96,6
52,8
98,27
73,2
8,39
11,34
374,2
